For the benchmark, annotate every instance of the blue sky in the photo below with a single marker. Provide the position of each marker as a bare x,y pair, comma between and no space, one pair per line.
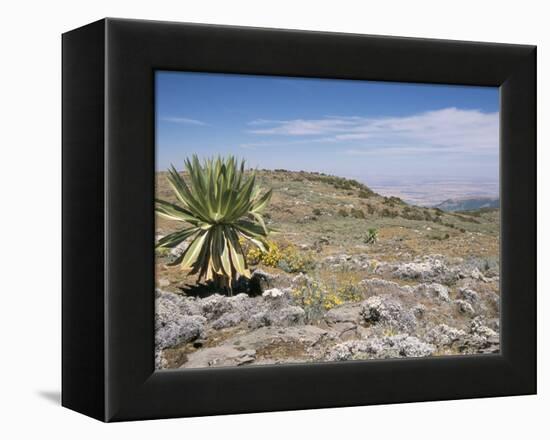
359,129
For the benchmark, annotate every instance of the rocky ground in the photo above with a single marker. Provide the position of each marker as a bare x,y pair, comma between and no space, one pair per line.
428,286
429,306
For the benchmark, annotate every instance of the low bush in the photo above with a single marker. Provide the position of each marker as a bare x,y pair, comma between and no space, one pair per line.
363,194
287,258
388,213
317,297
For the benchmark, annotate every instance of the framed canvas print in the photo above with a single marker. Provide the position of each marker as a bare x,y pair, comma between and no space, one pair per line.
261,220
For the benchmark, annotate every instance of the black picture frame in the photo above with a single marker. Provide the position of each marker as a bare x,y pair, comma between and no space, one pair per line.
108,219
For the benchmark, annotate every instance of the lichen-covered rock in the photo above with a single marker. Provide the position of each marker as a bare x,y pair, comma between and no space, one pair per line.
477,275
464,307
168,302
343,320
478,327
160,361
481,339
177,320
215,306
419,311
344,313
378,286
178,330
230,319
273,294
469,295
433,290
442,335
261,281
280,316
397,346
387,311
337,260
428,269
276,298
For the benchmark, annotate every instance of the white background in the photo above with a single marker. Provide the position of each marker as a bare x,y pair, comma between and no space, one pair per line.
30,185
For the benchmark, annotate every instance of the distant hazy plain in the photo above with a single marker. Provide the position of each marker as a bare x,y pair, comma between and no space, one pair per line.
430,192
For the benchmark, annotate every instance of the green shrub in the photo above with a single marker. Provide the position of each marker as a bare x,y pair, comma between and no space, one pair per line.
364,194
388,213
316,297
286,257
372,236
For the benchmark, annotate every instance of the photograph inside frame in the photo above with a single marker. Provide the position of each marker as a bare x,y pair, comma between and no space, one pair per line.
303,220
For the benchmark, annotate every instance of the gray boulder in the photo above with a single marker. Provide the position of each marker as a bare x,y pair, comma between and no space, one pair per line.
443,335
469,295
343,320
477,275
282,316
223,312
261,281
429,268
419,311
223,356
260,346
397,346
387,311
168,302
304,335
478,326
464,307
378,286
177,320
175,331
215,306
230,319
481,339
433,290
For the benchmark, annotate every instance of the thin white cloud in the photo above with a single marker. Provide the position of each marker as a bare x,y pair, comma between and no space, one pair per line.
178,120
265,122
286,143
448,130
300,127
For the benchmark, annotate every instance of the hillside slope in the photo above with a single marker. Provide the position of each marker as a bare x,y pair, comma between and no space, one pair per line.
309,208
469,204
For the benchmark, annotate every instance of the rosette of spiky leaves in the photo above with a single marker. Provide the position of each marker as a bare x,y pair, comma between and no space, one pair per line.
219,204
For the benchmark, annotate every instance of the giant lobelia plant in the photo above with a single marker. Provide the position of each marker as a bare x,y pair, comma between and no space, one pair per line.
219,205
